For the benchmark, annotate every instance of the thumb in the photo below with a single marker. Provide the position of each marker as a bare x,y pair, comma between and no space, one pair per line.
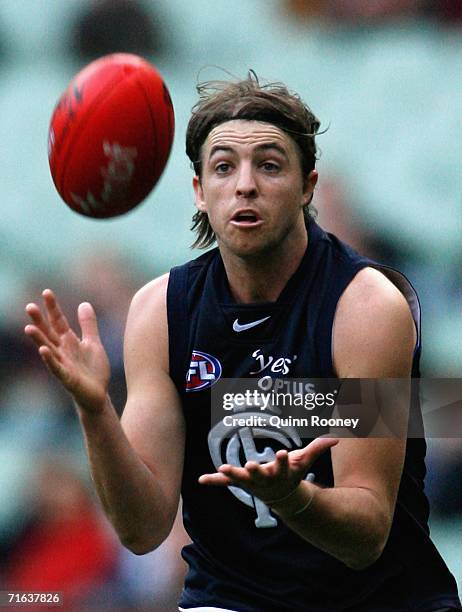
87,321
307,456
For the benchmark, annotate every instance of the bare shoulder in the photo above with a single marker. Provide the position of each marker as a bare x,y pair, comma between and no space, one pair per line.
370,287
146,333
151,296
374,333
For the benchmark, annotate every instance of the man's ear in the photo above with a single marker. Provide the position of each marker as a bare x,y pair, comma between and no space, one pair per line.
310,184
199,194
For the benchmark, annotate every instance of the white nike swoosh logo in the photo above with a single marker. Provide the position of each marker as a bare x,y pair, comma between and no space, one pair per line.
238,327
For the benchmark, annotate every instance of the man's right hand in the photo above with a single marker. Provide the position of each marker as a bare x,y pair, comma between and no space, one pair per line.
81,365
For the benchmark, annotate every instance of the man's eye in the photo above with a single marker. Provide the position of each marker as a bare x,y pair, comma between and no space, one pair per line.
222,168
270,166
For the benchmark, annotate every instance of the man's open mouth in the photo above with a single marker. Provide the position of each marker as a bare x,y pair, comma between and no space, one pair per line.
246,217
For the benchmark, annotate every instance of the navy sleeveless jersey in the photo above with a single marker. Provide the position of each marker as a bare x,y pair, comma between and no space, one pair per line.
233,563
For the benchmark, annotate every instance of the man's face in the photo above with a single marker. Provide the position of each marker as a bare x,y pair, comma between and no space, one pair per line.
252,187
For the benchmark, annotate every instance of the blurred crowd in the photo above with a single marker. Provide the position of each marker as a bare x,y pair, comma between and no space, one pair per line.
366,12
53,535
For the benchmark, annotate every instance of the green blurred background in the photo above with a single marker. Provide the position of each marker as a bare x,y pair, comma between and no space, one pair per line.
383,76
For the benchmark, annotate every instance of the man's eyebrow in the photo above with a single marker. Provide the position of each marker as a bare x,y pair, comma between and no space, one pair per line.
272,145
261,147
217,148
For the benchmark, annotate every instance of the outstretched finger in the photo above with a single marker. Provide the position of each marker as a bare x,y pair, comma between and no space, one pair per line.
239,476
281,464
303,458
56,318
87,321
52,362
216,479
37,319
232,471
40,339
256,471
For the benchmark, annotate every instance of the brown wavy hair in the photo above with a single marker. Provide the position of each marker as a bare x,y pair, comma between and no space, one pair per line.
221,101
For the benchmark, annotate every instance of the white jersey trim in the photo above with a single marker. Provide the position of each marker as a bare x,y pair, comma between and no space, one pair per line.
205,609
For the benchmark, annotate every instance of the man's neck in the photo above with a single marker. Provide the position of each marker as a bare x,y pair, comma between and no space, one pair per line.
262,278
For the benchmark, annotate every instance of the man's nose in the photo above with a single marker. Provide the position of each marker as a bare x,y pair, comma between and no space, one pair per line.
246,186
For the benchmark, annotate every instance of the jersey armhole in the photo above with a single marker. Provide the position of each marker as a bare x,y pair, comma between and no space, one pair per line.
327,329
178,325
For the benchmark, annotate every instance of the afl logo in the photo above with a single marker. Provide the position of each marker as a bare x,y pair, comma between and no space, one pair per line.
204,371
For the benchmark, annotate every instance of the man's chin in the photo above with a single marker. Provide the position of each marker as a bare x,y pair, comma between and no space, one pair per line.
249,249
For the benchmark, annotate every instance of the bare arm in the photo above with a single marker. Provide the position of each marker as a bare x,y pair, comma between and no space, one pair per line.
374,336
136,475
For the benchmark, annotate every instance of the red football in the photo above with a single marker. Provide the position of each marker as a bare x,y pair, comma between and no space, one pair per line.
110,135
